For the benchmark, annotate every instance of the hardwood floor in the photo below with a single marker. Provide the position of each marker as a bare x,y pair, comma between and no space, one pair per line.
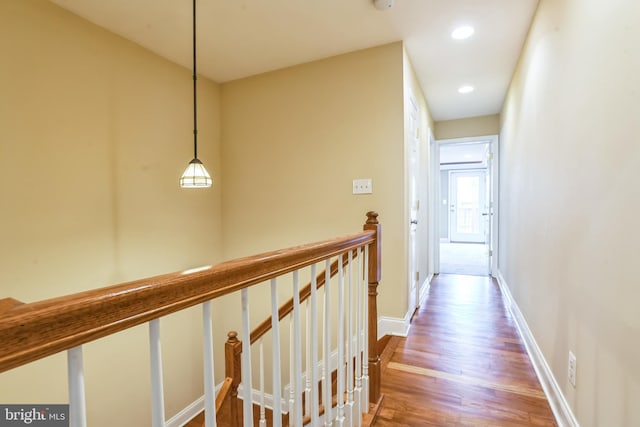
462,364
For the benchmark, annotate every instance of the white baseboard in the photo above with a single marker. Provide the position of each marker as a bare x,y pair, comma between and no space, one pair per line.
400,326
559,405
394,325
424,291
187,414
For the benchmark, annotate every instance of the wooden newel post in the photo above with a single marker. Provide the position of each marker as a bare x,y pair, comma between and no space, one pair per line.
375,261
232,365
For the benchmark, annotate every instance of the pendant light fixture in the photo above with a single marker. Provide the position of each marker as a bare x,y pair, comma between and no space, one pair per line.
195,176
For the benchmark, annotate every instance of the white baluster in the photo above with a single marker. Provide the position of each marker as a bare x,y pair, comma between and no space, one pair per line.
314,349
247,403
358,348
297,338
349,344
365,345
326,354
209,379
277,375
340,376
263,419
157,393
307,359
75,372
292,373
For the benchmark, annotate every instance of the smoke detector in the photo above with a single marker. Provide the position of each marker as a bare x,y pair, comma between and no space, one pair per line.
383,4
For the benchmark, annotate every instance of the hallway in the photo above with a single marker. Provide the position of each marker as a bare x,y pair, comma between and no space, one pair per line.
464,258
463,363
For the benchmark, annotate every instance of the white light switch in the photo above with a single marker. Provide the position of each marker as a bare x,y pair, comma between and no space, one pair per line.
362,186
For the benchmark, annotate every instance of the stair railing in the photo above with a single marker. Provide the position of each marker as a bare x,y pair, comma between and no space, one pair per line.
310,401
29,332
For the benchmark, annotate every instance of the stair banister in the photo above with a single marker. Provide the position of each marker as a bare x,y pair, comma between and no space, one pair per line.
364,386
36,330
287,307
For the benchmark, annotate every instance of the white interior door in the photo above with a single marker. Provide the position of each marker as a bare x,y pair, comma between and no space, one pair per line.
467,203
414,203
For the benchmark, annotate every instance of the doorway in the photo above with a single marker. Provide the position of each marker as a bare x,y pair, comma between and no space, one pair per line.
466,213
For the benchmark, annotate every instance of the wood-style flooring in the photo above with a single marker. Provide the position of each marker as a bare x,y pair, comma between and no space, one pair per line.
463,363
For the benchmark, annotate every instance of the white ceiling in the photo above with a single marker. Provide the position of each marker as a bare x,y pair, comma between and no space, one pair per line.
239,38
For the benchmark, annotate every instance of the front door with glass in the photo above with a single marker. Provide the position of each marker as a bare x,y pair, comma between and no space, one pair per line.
466,206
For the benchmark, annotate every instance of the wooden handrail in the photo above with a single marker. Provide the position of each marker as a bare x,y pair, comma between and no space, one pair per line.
7,304
287,307
224,393
29,332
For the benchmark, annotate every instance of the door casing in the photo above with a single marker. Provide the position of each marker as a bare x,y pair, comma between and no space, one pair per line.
494,179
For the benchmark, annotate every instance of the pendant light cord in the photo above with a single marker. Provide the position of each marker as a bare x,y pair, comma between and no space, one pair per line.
195,78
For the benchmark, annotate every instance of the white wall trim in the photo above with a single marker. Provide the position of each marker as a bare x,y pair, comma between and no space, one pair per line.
394,325
424,289
187,414
559,405
193,409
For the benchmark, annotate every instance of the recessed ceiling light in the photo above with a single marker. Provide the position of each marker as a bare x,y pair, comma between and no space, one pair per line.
463,32
465,89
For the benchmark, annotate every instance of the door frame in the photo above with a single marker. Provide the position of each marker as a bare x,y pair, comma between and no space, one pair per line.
434,178
412,159
433,205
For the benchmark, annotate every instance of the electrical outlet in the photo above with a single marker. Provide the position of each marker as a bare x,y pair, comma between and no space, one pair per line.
362,186
572,368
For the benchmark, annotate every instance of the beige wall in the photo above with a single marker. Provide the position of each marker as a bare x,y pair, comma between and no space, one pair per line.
94,134
469,127
569,240
79,101
293,141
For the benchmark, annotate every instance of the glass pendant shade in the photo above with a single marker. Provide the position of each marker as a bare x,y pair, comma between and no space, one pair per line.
195,176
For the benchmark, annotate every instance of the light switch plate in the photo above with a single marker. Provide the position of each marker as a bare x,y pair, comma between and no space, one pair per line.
362,186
